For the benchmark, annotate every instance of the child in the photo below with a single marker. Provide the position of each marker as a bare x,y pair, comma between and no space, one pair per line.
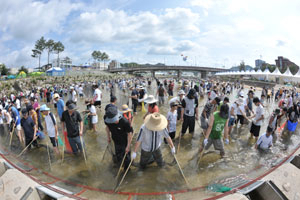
29,129
51,126
93,115
265,141
172,119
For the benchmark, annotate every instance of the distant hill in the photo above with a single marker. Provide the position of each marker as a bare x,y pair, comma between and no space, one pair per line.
248,67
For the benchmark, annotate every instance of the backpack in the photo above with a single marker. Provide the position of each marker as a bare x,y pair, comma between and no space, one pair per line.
52,118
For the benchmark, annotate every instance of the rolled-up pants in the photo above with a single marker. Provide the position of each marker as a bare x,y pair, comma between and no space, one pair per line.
148,156
188,122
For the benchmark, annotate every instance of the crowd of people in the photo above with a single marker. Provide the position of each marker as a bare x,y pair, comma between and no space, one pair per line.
226,106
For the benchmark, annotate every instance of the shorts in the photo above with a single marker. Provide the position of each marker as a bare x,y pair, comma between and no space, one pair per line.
240,118
18,127
218,144
97,103
231,121
80,95
255,130
204,124
53,141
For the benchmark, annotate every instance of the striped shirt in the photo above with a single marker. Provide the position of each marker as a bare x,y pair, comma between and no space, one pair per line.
151,140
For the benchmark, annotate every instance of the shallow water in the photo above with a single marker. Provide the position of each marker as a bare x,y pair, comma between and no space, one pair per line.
240,161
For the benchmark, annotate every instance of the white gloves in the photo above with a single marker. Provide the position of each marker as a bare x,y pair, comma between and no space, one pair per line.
205,142
173,151
226,141
133,155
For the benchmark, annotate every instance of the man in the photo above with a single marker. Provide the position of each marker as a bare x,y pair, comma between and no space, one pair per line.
265,141
60,104
73,95
161,92
113,101
73,121
150,139
118,128
97,97
17,120
29,129
209,108
134,99
249,103
217,123
51,126
258,118
171,87
189,112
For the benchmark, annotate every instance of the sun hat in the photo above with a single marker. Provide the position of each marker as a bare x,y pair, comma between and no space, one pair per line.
150,99
55,96
112,115
44,108
181,92
173,104
71,106
125,108
241,94
156,122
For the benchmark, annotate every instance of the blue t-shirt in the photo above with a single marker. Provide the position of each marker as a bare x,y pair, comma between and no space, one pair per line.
60,107
16,115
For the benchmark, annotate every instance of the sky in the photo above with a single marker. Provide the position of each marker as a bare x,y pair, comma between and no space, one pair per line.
211,33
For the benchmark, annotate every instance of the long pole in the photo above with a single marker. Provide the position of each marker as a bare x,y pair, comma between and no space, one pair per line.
124,175
26,148
121,166
49,156
11,135
181,172
83,150
105,152
179,142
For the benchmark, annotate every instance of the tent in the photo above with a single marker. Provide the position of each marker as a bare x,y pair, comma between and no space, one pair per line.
34,74
55,71
11,77
22,74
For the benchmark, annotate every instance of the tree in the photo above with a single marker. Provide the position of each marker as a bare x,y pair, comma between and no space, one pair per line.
4,70
96,55
58,47
242,66
104,57
24,69
49,46
38,49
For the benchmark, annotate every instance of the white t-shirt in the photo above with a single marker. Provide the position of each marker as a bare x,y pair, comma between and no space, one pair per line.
50,125
74,97
172,118
234,106
240,108
98,93
18,103
264,142
94,118
258,113
80,90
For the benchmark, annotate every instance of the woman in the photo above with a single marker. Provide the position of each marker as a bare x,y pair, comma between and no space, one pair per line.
152,106
127,113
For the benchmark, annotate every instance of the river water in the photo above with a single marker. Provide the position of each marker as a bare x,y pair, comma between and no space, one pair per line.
242,162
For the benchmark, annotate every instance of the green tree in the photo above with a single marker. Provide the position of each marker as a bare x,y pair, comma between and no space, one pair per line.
49,46
58,47
242,66
4,70
24,69
104,57
38,49
294,69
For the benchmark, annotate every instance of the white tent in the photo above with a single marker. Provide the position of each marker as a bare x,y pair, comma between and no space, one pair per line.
287,73
276,72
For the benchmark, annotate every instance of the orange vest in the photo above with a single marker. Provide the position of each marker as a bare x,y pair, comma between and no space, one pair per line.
128,116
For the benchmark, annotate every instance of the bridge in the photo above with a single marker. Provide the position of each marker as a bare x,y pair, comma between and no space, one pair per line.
179,69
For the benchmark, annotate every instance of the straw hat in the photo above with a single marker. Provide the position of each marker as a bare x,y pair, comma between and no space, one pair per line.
125,108
150,99
55,96
156,122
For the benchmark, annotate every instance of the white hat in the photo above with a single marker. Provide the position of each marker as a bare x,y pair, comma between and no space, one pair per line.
181,92
150,99
156,122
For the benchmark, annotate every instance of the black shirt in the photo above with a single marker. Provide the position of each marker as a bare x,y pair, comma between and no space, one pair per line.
28,126
133,93
72,122
120,131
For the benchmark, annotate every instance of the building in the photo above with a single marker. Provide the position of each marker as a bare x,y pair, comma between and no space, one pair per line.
282,63
259,63
114,64
64,63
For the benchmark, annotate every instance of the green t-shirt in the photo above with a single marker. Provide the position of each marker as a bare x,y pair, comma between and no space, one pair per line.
218,126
